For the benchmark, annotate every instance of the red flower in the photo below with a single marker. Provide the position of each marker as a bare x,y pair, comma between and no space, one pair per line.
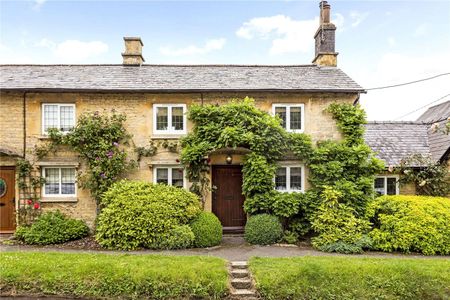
177,160
36,205
29,201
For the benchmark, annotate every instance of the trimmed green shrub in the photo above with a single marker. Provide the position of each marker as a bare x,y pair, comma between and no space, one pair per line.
338,228
180,237
142,214
207,230
263,229
52,228
411,223
290,237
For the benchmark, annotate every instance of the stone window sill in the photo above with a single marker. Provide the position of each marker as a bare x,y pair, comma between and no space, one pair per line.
167,136
59,199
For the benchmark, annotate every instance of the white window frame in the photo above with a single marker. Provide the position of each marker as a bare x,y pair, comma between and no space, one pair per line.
385,177
288,115
44,132
169,173
288,177
60,195
169,119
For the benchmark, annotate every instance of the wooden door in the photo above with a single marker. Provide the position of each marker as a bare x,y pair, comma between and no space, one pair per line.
228,201
7,194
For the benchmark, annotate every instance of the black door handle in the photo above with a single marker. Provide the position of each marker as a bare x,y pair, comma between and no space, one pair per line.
2,204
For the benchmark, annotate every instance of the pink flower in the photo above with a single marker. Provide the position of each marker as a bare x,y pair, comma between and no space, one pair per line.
29,201
36,205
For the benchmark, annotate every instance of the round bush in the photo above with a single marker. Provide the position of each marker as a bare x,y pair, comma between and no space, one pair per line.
52,228
263,229
141,214
410,223
207,230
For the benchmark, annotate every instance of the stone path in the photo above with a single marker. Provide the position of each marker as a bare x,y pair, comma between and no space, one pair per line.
241,283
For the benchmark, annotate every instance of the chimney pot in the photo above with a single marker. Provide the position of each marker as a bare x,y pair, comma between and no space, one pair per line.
133,51
324,12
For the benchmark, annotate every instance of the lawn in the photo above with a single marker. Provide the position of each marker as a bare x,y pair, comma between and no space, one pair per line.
351,278
107,275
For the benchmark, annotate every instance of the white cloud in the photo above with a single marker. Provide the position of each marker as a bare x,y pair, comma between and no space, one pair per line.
395,68
210,45
421,30
74,51
10,56
38,4
287,35
357,17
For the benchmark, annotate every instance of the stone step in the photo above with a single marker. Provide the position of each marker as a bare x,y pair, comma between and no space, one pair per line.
243,294
241,283
239,265
239,273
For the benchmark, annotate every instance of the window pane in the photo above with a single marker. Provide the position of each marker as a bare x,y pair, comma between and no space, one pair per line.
68,181
296,118
280,179
67,118
296,178
281,112
177,118
162,118
391,186
52,181
379,185
177,177
162,176
50,116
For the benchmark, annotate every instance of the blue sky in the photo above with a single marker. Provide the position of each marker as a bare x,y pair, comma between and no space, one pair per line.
380,42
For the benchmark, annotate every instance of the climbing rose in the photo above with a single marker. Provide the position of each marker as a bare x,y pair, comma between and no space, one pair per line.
36,205
116,144
29,201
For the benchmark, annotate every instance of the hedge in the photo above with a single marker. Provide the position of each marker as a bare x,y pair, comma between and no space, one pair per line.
410,224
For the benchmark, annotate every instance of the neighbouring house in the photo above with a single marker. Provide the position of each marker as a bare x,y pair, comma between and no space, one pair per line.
394,141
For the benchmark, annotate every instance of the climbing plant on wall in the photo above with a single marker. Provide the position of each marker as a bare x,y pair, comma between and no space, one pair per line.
237,124
100,140
29,182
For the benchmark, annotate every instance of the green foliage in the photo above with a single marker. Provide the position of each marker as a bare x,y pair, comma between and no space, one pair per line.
263,229
338,228
290,237
257,175
350,119
180,237
411,223
430,180
236,124
52,228
351,278
99,140
141,214
112,276
29,182
207,230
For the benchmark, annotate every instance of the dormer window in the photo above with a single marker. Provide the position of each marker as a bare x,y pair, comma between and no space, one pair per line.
291,115
169,119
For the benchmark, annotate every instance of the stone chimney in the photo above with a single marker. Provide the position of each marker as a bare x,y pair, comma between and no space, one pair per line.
325,39
133,51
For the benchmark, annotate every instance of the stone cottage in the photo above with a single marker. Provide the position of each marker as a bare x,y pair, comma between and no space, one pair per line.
155,99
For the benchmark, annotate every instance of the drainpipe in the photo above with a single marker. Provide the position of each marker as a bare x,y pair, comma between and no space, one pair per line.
24,111
356,100
201,96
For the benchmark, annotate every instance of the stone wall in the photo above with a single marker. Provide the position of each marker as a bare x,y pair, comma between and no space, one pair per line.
139,110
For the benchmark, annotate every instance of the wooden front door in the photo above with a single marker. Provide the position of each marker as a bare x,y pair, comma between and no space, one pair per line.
228,201
7,194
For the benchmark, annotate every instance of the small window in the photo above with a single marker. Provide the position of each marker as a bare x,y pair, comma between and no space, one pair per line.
386,185
59,116
169,175
59,181
291,115
169,118
289,179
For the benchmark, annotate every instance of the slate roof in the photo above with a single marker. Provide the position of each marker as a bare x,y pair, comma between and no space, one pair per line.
173,78
439,142
392,141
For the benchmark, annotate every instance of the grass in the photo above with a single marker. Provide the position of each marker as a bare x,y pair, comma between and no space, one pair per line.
112,276
351,278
